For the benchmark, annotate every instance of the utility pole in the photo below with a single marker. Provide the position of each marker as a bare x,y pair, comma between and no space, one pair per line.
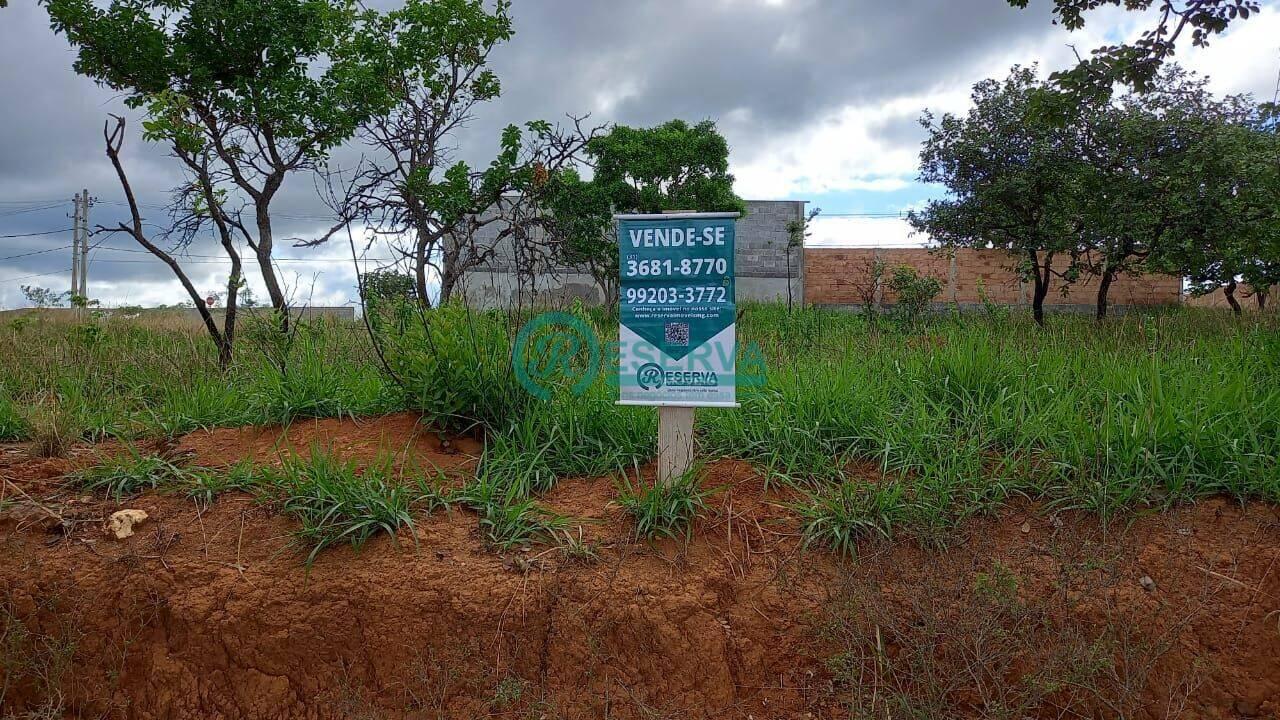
75,249
84,244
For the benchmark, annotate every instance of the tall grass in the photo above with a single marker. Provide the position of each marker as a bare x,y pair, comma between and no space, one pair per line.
940,421
12,425
127,379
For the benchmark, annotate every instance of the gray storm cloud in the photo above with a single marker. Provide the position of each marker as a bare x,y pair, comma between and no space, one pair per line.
763,69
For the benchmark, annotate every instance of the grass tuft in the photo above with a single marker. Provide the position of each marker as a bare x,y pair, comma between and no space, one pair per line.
521,522
130,473
206,484
838,519
337,503
53,429
665,510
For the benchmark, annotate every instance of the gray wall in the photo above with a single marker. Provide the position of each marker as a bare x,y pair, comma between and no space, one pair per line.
71,314
761,262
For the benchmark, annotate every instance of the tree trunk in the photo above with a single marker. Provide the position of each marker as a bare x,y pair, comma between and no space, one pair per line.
1230,292
1261,297
229,320
420,274
1037,300
267,268
114,141
447,284
1041,290
1108,276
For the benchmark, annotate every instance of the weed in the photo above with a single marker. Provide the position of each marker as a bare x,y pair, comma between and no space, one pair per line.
576,548
429,492
976,649
520,522
839,519
129,473
665,510
1149,410
206,484
508,692
337,503
454,365
52,429
34,662
13,426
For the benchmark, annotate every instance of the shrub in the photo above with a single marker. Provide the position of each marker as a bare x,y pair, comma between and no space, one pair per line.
454,365
914,293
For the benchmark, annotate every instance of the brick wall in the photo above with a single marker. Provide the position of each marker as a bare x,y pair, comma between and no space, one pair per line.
842,276
1244,295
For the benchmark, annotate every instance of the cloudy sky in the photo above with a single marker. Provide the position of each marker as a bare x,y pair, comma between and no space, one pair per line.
819,100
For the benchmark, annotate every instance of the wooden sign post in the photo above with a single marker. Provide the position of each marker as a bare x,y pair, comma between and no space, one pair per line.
675,442
677,341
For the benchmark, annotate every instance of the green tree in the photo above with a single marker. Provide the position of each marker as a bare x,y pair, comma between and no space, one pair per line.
670,167
40,297
1015,181
1159,176
245,93
1230,231
1137,64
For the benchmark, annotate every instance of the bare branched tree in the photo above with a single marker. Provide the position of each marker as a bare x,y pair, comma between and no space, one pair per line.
434,210
197,205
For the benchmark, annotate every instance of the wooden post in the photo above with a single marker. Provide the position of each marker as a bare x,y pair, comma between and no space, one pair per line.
675,443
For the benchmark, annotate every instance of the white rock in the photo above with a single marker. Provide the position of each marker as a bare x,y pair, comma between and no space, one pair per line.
122,522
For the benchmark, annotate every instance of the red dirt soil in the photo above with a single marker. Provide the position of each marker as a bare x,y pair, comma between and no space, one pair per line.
211,613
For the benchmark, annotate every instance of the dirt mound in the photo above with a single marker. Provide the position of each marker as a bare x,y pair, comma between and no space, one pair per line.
210,613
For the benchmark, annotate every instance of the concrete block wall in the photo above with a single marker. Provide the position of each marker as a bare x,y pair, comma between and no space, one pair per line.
761,262
843,277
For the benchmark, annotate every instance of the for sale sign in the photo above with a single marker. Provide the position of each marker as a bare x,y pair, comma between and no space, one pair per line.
677,339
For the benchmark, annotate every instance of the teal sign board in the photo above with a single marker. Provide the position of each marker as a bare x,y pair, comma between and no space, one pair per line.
677,337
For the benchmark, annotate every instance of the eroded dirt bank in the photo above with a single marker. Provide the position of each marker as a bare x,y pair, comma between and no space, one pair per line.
210,613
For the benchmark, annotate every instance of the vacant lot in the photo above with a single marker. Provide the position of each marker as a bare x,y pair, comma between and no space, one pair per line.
963,517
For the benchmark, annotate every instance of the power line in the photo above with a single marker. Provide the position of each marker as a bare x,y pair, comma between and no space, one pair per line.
221,258
37,252
7,213
28,277
35,234
284,216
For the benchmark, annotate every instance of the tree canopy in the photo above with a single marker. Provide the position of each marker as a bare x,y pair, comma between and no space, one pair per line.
1172,180
1138,64
243,92
1014,180
669,167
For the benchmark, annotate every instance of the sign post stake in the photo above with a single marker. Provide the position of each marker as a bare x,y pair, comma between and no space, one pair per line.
677,335
675,442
